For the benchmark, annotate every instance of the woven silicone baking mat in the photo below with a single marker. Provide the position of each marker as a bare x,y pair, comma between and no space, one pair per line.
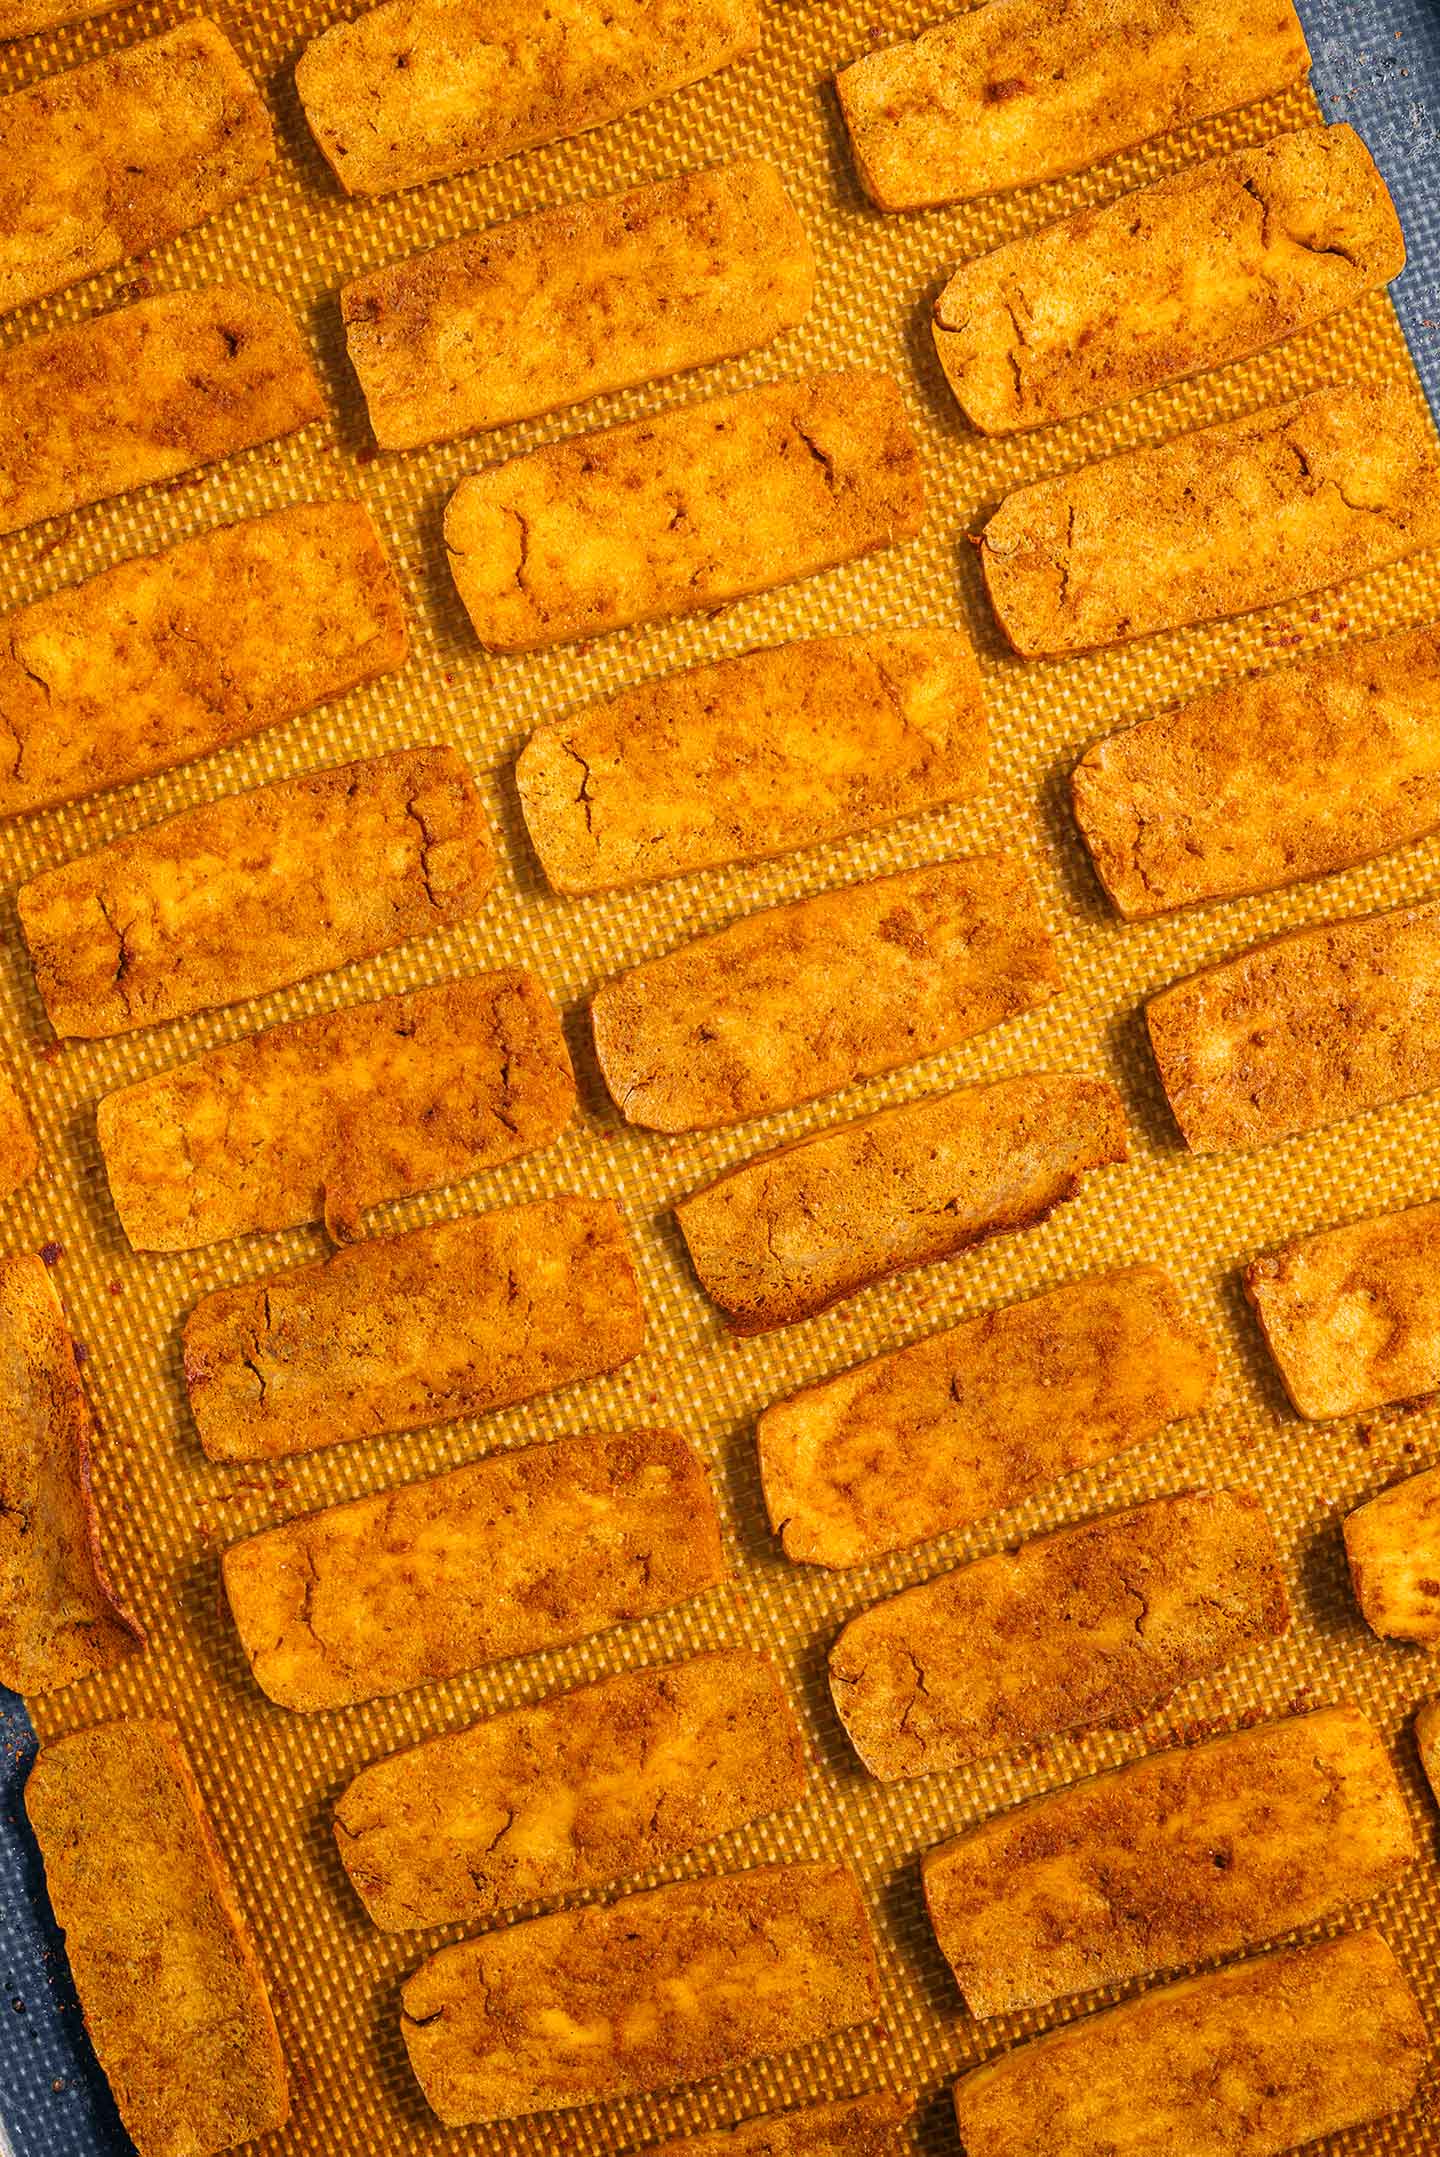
271,1777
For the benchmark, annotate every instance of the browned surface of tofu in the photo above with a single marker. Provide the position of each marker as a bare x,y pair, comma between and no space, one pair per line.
20,18
1095,1624
655,1990
684,510
787,1234
254,891
585,1787
173,1995
526,1550
1427,1742
853,2127
1393,1547
19,1154
399,1332
950,1429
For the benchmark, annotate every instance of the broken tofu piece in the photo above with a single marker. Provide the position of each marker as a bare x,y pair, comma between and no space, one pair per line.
254,891
1393,1545
19,1154
398,1332
853,2127
1228,518
525,1550
950,1429
584,1788
172,1992
1094,1624
647,1993
1188,1855
589,297
784,1236
684,510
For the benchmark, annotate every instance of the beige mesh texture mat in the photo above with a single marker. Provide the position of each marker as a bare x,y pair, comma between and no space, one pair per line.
271,1777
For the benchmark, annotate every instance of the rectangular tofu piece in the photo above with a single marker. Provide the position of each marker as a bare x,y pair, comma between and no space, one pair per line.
1393,1548
21,18
1244,2062
800,1000
870,2126
1267,780
415,90
113,158
1188,1855
754,756
942,1433
398,1332
1211,265
1094,1624
655,1990
1220,521
19,1154
1018,91
1303,1030
59,1617
319,1118
1427,1742
146,393
684,510
589,297
254,891
172,1992
587,1787
172,655
784,1236
526,1550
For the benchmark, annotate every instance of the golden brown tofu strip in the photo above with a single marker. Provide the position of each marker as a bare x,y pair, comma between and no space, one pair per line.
1232,517
414,90
173,1995
802,999
592,296
754,756
19,18
1099,1623
646,1993
1427,1741
1190,1854
59,1618
145,394
1016,91
787,1234
1211,265
19,1154
399,1332
257,890
584,1788
110,159
170,656
1302,1031
684,510
854,2127
950,1429
1393,1546
526,1550
1244,2062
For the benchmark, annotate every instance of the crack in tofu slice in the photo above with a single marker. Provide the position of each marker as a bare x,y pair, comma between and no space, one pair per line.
1393,1548
854,2127
19,1153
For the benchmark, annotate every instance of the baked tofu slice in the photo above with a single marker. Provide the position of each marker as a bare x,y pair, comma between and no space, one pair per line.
144,394
1016,91
802,999
646,1993
584,1788
1427,1741
415,90
59,1618
526,1550
589,297
854,2127
754,756
254,891
398,1332
1302,1031
1244,2062
1265,781
173,1995
1095,1624
1241,515
1188,1855
784,1236
684,510
1215,263
113,158
19,1154
950,1429
20,18
1393,1545
322,1117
